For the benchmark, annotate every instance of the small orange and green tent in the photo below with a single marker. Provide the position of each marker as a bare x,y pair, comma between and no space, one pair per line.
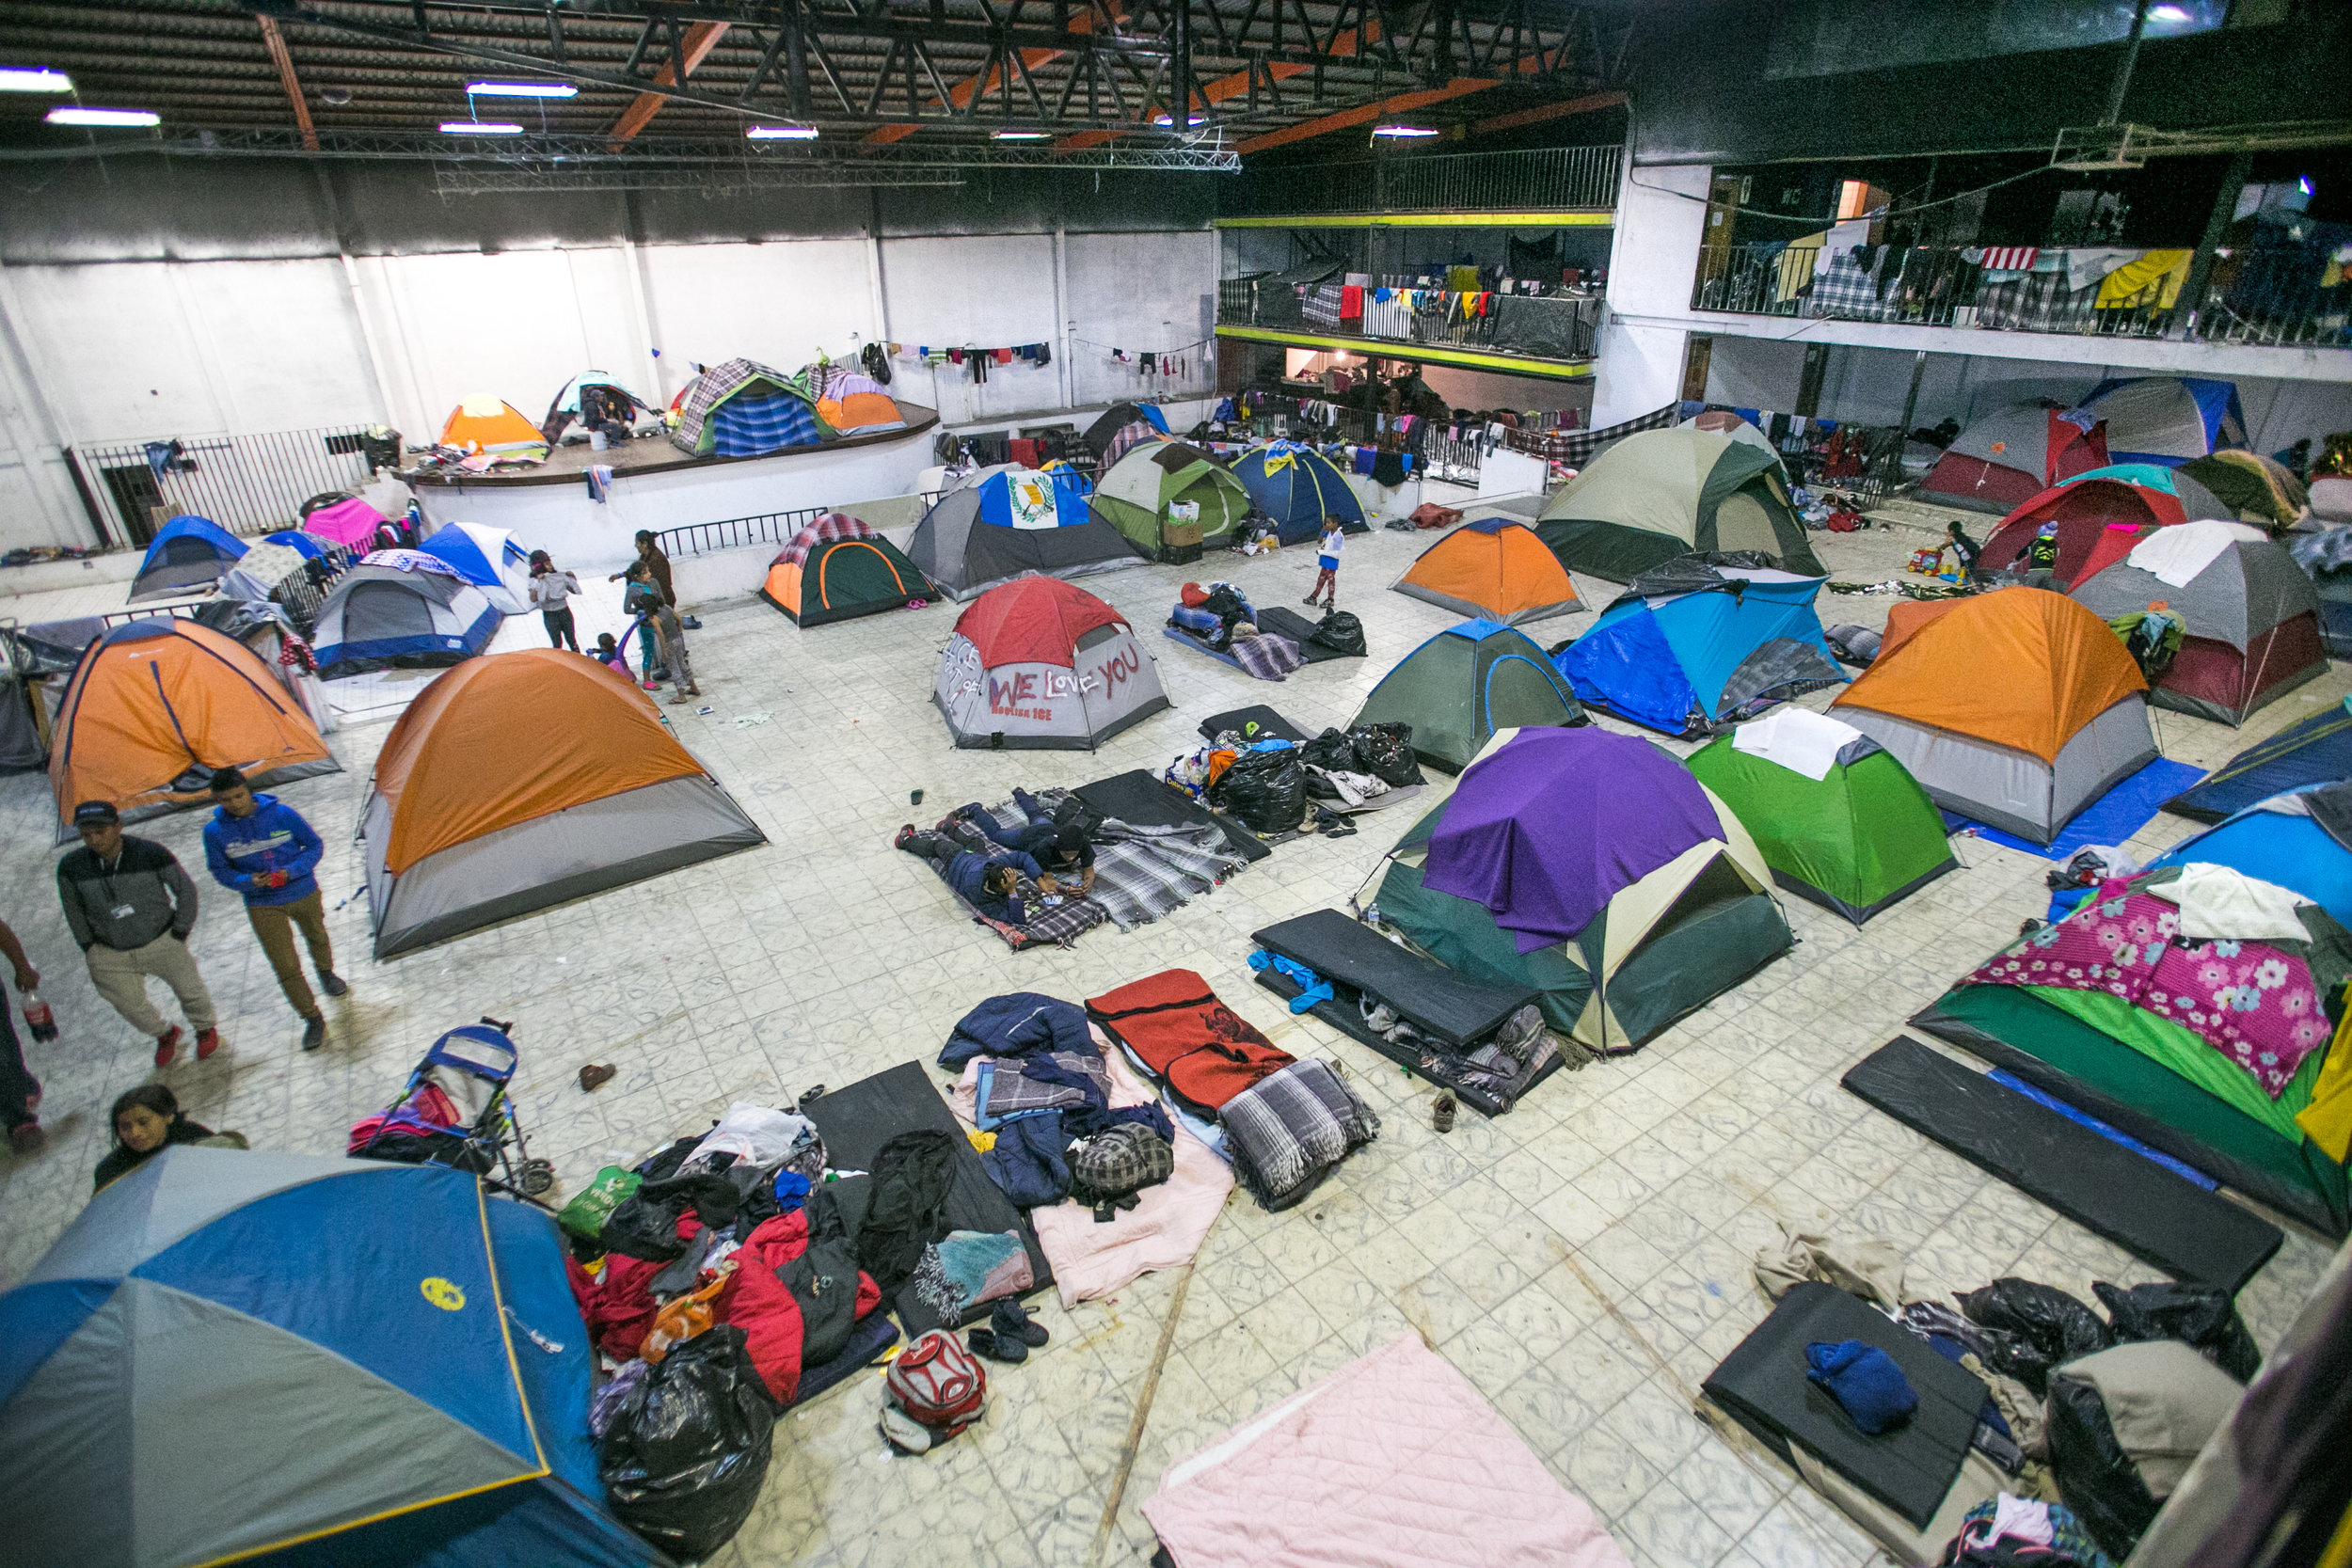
155,705
1492,570
467,828
2017,708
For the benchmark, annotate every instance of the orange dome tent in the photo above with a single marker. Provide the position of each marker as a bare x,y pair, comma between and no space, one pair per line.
2017,708
486,424
155,705
1492,570
467,828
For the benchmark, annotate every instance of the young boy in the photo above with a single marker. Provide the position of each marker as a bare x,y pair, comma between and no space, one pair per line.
1964,553
1328,558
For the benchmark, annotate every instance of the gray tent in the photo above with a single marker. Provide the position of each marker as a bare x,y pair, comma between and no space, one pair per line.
1007,520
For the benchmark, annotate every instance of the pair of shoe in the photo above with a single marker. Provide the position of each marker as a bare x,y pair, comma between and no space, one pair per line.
1010,1335
167,1045
906,831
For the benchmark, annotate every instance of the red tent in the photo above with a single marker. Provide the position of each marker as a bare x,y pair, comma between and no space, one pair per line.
1033,620
2006,459
2086,509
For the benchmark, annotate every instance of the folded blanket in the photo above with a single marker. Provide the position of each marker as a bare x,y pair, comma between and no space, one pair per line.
1025,1083
1291,1128
1267,655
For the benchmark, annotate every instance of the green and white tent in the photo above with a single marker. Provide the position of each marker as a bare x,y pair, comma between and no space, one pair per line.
1663,493
1836,817
1134,495
1466,684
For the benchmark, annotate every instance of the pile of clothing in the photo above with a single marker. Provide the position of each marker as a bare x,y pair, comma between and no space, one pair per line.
1284,1124
1262,784
1222,621
1356,765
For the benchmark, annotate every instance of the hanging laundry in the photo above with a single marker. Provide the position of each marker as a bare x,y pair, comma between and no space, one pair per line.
599,477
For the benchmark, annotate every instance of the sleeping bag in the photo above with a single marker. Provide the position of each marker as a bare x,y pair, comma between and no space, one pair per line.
1174,1023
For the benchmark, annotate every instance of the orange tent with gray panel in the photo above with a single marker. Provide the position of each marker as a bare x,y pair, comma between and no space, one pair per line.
838,568
1494,569
467,827
155,705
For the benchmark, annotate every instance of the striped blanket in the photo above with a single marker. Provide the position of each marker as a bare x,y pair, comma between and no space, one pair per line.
1143,872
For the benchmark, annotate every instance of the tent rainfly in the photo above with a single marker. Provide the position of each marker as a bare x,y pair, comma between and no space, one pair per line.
2166,419
465,827
1298,487
485,422
2011,455
1494,569
1039,663
838,568
2314,751
1663,493
489,558
2099,515
1136,494
188,555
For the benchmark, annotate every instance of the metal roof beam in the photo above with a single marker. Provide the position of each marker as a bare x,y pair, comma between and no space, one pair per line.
275,43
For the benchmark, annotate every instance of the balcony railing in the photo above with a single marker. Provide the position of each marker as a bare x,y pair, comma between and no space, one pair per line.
1559,326
247,484
2269,292
1541,179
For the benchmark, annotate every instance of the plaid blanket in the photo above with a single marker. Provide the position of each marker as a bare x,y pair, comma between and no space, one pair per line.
1290,1127
1267,655
1578,448
747,425
828,528
1143,872
1059,924
1012,1090
1847,290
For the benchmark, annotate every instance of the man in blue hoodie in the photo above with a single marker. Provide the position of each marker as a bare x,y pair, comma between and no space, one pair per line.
989,883
261,847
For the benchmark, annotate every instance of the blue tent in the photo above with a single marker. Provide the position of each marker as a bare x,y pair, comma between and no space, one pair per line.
2166,419
309,546
290,1359
186,554
1298,487
2286,841
2317,750
1690,645
489,558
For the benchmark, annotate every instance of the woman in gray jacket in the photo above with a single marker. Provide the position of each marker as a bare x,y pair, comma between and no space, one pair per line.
550,588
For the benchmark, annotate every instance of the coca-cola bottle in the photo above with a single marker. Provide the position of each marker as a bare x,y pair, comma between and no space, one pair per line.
37,1018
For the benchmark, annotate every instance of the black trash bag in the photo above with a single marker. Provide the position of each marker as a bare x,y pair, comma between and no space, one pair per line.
2053,1327
1267,790
2096,1477
646,1228
1339,631
2200,1314
1331,750
687,1453
1385,753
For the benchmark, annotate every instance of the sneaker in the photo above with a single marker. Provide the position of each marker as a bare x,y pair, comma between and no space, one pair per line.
314,1034
990,1347
167,1046
1308,599
905,833
333,984
207,1041
1012,1321
27,1138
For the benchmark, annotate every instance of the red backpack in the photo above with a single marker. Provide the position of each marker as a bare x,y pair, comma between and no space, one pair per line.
1174,1023
938,1384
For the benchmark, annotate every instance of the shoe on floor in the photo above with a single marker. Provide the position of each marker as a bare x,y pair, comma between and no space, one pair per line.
681,698
1308,599
596,1076
314,1034
27,1138
207,1041
333,984
990,1347
167,1046
906,831
1012,1321
650,685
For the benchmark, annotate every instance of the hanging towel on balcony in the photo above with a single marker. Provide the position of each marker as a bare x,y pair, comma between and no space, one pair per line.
2002,258
2086,264
1849,288
1351,302
2165,270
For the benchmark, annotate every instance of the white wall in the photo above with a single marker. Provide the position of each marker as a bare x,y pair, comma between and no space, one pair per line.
111,352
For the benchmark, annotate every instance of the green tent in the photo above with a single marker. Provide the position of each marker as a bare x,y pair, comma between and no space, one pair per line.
1663,493
1859,838
1460,687
1133,494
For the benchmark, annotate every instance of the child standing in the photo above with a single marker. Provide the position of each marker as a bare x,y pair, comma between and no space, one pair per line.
550,588
1328,558
609,653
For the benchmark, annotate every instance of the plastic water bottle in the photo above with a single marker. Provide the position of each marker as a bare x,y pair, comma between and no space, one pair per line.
37,1018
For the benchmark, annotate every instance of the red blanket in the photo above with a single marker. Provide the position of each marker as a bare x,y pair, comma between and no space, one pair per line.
1177,1027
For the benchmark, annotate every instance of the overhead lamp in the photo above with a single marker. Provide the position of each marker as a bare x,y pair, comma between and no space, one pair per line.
521,90
479,128
66,114
33,78
2167,13
782,132
1402,132
1022,136
1189,119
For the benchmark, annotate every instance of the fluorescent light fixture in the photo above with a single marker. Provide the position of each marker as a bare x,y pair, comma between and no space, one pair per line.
2304,184
521,90
33,78
64,113
782,132
479,128
2167,13
1401,131
1191,120
1022,136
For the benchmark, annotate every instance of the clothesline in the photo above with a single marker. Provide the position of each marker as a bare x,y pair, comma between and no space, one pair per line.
1176,353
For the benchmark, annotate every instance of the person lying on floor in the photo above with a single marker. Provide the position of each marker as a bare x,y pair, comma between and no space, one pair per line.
989,883
1063,851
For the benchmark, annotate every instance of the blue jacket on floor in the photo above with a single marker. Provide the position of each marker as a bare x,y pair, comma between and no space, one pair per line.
274,838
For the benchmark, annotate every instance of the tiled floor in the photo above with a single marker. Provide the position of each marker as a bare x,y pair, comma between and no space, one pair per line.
1584,1260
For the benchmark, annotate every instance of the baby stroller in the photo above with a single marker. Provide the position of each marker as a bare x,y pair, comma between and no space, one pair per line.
455,1112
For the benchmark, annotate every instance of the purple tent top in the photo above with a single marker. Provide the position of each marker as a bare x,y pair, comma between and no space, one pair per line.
347,522
1545,831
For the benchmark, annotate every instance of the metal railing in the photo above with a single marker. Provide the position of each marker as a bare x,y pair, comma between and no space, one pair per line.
767,528
1550,178
246,483
1535,327
2262,294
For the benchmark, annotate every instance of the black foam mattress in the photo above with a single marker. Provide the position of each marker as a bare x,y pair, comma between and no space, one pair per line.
1762,1384
1271,725
856,1119
1285,622
2152,1213
1426,994
1142,801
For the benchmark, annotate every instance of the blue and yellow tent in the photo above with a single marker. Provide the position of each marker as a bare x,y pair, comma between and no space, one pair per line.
290,1359
1694,644
1298,487
188,555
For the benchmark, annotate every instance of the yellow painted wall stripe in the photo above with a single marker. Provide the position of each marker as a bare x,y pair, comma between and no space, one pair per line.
1430,353
1428,220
